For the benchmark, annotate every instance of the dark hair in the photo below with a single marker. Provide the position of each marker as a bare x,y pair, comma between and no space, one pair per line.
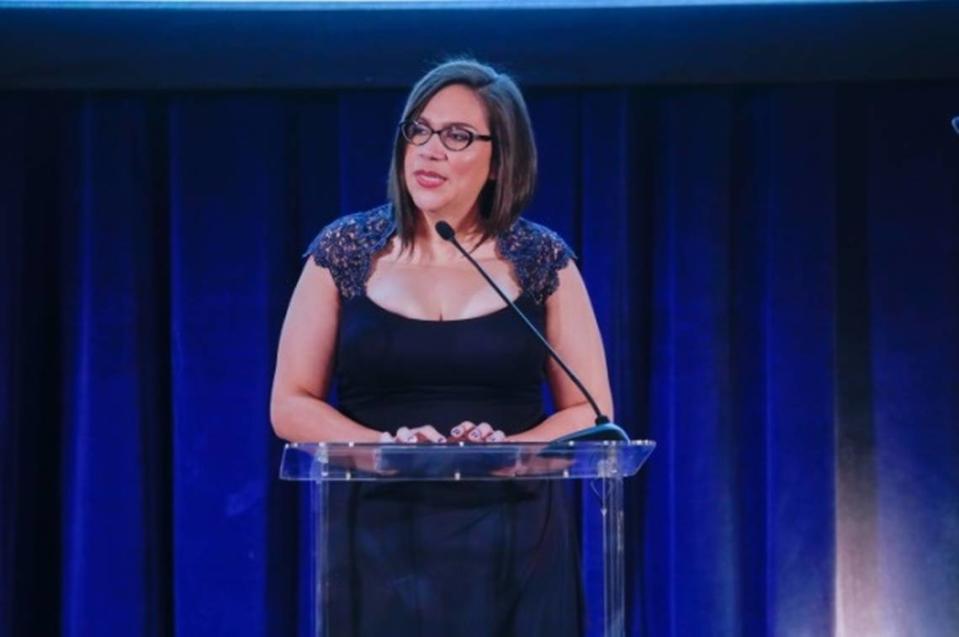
513,161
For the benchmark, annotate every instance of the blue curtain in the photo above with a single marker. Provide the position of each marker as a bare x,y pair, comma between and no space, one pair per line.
775,270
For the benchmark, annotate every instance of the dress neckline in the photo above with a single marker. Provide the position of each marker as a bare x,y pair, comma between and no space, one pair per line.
348,245
402,317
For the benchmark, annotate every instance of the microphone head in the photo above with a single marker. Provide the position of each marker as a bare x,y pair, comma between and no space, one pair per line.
445,230
955,124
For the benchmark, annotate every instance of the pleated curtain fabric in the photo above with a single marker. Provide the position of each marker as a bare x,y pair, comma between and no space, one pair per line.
775,270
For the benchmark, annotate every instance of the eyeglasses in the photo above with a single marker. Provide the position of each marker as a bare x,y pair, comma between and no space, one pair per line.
453,137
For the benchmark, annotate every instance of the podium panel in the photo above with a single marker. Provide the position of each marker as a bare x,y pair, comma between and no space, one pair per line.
464,539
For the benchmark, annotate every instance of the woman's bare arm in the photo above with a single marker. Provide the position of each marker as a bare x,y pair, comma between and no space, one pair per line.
572,331
304,366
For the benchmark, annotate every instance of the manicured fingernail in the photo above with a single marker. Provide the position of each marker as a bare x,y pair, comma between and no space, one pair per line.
474,435
441,439
457,431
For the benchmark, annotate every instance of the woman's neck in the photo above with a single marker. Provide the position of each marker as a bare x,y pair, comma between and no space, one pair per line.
430,247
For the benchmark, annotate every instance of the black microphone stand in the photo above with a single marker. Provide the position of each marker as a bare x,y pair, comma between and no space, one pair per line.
603,429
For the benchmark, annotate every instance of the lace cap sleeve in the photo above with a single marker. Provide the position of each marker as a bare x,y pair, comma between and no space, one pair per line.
346,247
537,254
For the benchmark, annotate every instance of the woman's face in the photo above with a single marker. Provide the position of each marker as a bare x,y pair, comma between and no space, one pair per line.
442,181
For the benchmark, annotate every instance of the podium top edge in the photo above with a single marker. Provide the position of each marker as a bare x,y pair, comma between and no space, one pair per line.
595,444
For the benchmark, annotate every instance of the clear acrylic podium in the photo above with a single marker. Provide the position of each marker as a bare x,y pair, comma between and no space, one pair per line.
603,464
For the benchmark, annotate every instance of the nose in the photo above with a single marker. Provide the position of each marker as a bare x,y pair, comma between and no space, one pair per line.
433,147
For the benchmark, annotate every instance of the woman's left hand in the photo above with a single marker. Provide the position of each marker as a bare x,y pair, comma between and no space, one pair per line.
467,431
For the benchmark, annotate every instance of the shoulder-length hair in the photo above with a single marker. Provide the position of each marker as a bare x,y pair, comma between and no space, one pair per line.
513,161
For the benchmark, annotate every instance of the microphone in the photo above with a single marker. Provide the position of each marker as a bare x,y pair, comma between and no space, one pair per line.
603,429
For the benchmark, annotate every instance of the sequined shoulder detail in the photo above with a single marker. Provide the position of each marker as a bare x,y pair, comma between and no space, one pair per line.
346,247
537,254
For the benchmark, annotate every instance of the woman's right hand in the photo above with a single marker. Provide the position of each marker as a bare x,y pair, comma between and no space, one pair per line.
406,435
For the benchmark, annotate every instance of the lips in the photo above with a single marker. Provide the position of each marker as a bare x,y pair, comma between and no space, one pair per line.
428,179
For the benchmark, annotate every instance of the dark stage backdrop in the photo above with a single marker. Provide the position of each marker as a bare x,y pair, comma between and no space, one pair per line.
775,270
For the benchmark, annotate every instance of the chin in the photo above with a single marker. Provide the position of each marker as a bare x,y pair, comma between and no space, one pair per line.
427,202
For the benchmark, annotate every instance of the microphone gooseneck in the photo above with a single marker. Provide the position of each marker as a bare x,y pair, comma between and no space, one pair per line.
446,232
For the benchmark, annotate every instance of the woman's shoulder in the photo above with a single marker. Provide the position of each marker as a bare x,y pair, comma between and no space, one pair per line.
346,245
355,231
537,254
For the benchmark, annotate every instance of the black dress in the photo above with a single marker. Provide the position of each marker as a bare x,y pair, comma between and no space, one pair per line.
436,559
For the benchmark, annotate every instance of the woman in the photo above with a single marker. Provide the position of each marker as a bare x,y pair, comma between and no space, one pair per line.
423,350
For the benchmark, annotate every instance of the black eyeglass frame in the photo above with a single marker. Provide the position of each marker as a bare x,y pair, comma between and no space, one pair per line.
472,136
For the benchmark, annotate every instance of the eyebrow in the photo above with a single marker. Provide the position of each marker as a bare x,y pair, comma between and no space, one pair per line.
462,124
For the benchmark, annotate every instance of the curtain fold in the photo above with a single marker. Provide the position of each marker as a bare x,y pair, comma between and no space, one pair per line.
775,270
